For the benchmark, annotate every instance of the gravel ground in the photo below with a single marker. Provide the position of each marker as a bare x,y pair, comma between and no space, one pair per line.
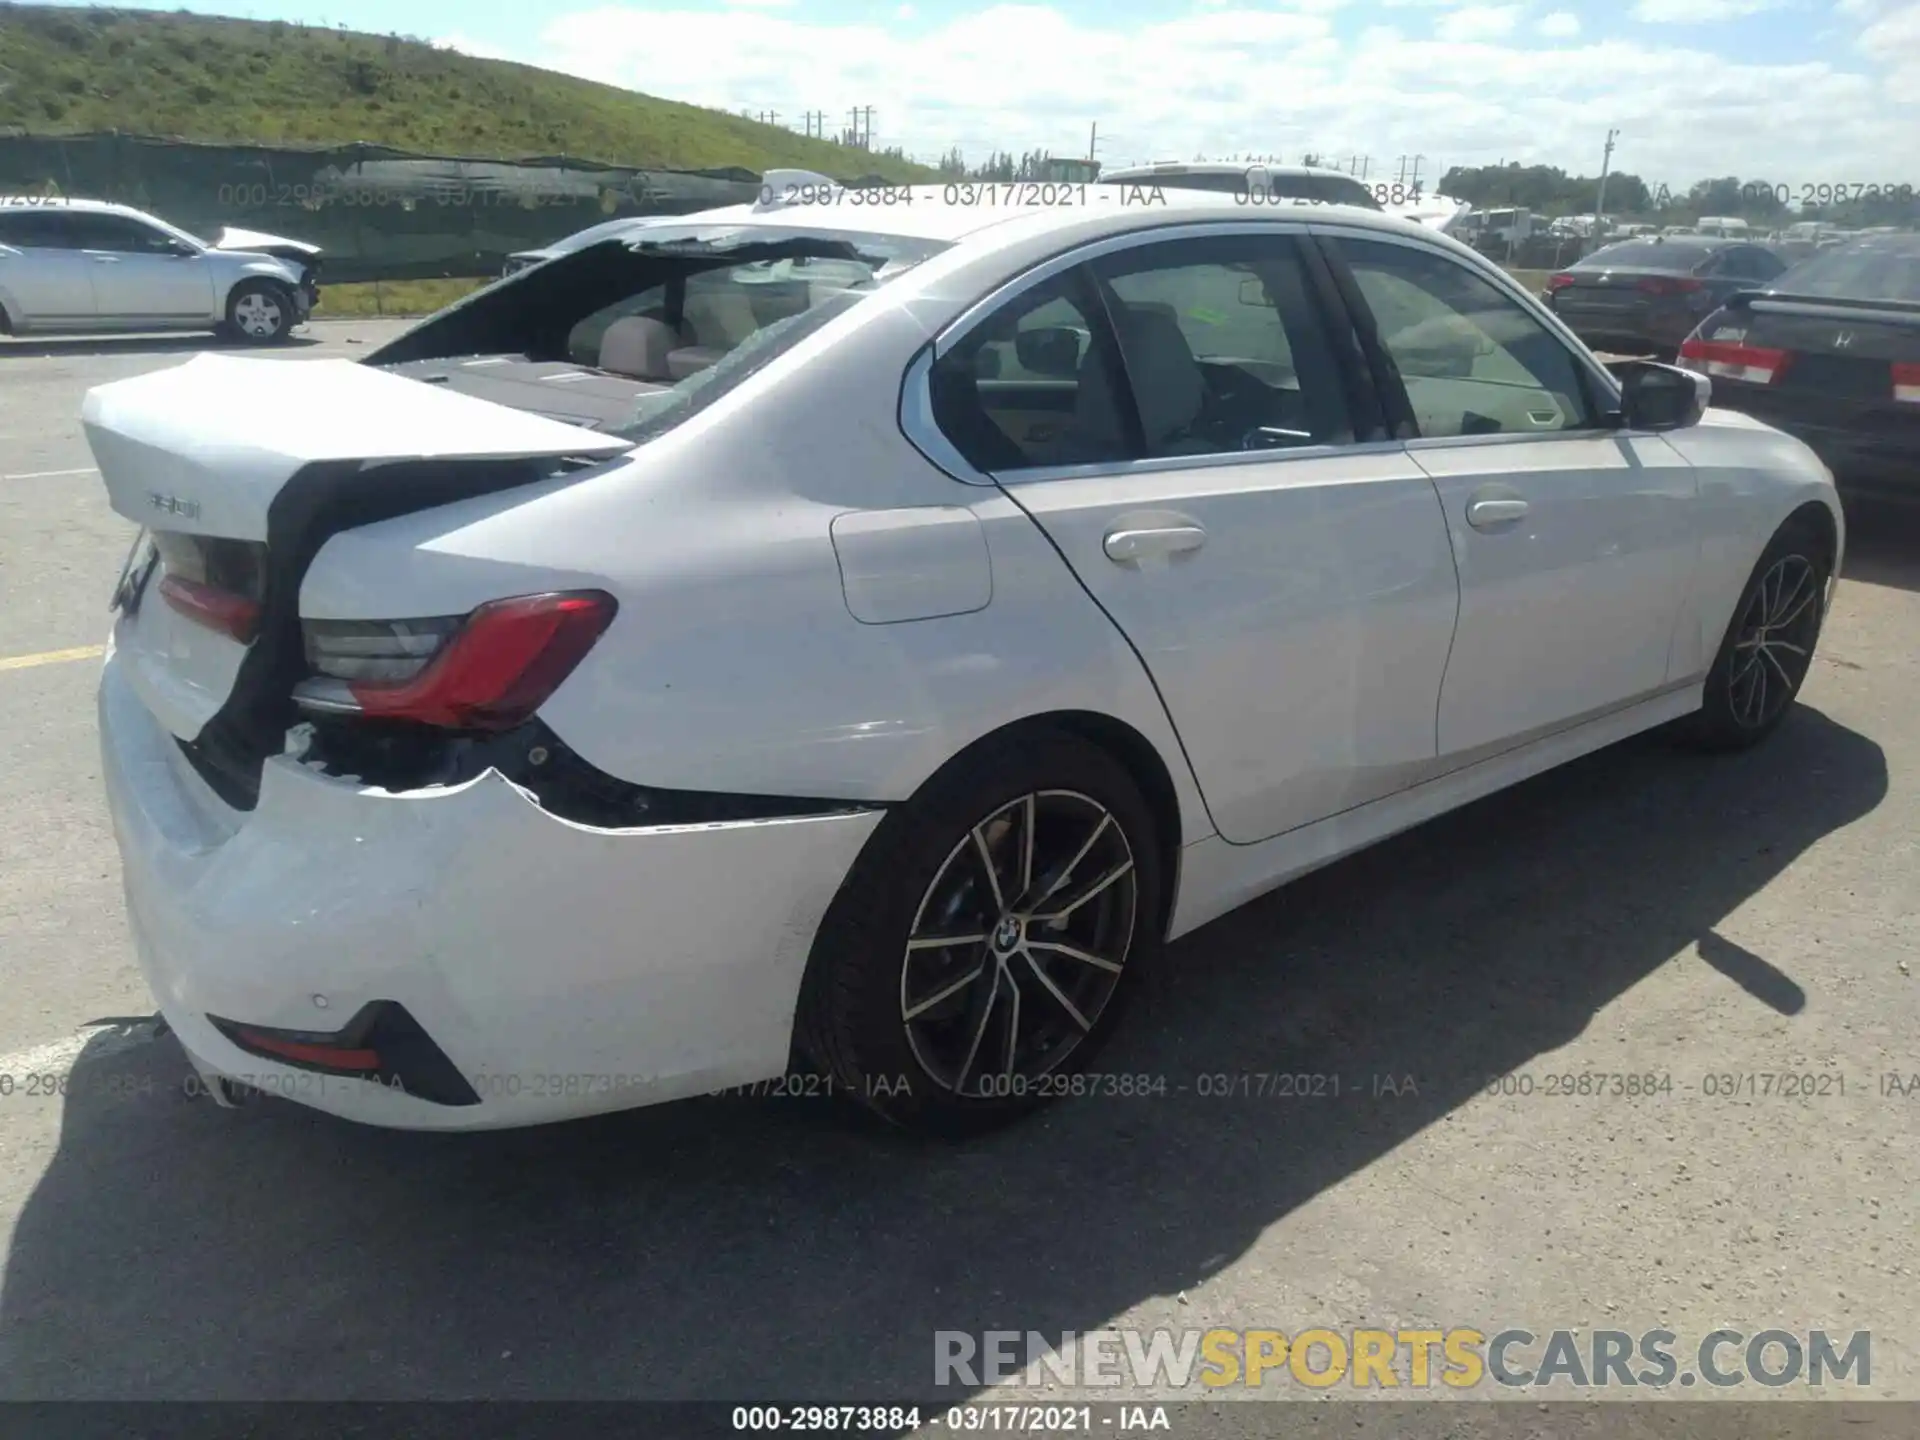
1638,912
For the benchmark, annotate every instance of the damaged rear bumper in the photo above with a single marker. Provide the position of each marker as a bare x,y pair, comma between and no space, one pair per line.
562,970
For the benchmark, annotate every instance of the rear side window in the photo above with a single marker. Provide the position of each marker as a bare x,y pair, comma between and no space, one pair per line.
1472,360
35,229
1223,347
1192,347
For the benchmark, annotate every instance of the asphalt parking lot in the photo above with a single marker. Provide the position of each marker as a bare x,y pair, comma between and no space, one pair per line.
1640,912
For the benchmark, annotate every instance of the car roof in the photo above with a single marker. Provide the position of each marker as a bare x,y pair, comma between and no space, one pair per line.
978,212
62,202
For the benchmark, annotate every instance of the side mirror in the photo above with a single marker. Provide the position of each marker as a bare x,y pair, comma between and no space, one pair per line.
1661,397
181,248
1054,350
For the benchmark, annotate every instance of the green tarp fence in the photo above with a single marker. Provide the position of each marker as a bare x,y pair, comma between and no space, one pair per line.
379,213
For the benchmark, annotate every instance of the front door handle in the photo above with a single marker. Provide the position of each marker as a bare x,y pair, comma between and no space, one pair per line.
1128,544
1487,514
105,259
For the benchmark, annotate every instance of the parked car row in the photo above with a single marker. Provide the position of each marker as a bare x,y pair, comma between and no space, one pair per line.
1827,349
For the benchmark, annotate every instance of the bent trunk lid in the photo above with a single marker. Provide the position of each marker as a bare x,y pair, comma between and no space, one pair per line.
204,449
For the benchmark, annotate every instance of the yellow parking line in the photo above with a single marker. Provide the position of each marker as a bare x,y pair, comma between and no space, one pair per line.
51,657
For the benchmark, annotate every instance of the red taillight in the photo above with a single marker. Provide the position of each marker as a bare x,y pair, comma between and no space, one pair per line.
1668,284
499,667
1558,282
1906,382
209,605
1754,364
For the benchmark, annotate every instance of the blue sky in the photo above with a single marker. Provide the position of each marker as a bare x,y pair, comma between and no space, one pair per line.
1791,90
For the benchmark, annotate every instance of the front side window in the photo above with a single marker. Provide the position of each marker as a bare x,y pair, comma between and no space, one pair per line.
118,233
1473,361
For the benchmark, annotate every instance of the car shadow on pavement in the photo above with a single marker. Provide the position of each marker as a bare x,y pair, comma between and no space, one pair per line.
77,346
779,1249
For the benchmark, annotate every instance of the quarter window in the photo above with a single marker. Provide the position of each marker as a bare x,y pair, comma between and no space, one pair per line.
1473,361
1032,385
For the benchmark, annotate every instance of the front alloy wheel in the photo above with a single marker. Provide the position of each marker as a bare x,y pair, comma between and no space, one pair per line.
1018,943
1768,647
1774,643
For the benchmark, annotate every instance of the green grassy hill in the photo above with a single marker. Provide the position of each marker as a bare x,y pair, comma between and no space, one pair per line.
243,81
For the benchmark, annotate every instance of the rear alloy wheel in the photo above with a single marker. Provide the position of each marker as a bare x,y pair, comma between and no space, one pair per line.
259,311
1768,649
1018,944
986,941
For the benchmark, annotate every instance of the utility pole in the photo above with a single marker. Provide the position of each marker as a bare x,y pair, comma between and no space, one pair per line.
1093,140
1600,199
866,133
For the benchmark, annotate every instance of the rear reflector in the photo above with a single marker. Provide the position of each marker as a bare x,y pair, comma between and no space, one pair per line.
1751,363
381,1044
328,1057
232,615
1906,382
497,667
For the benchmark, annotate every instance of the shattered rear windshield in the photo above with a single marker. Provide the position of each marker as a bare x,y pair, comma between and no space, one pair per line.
725,302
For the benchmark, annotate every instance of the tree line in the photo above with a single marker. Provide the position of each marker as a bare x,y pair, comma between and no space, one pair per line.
1549,190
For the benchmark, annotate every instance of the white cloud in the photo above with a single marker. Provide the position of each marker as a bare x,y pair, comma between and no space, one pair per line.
1478,22
1560,25
1281,81
1697,12
1893,40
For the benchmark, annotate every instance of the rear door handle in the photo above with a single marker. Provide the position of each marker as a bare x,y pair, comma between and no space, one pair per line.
1487,514
1129,544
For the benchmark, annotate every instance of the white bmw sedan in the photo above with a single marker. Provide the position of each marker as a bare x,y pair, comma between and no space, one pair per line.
850,639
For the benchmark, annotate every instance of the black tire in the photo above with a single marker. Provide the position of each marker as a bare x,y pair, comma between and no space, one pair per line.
1743,705
259,312
855,1020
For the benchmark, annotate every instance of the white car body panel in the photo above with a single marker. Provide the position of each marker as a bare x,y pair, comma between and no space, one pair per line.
533,949
810,606
1580,596
1216,877
1301,646
160,434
